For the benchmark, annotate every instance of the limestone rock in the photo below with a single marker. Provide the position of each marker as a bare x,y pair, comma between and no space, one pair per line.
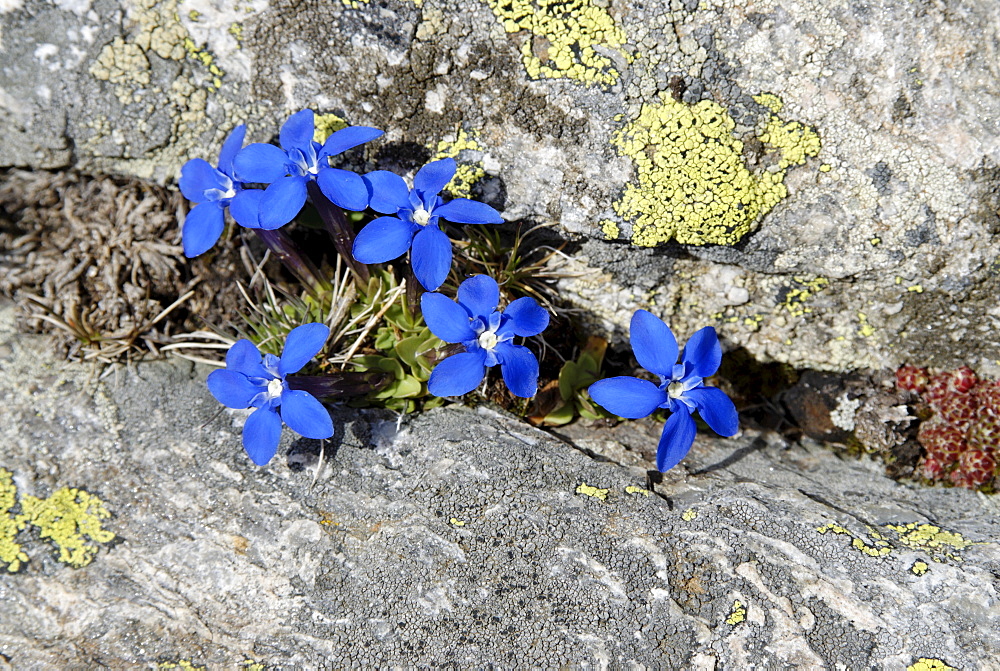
463,537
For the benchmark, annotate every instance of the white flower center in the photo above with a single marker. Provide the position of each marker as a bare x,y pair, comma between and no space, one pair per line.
229,194
488,340
274,388
421,216
675,389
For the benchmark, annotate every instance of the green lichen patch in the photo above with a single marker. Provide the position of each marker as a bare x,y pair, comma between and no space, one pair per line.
68,518
878,547
934,540
929,664
693,184
595,492
467,174
563,39
737,614
11,554
327,125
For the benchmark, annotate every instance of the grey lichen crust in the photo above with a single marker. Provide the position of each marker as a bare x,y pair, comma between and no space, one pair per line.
469,538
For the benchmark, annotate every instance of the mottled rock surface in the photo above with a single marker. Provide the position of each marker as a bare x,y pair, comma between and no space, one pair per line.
466,537
820,177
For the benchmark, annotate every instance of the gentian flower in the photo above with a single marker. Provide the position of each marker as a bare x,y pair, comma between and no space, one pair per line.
414,221
487,334
215,189
254,381
681,390
299,160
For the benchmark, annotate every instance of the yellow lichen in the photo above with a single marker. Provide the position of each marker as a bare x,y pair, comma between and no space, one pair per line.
825,167
932,539
610,229
689,514
595,492
865,329
236,30
454,521
770,101
11,553
632,489
738,614
693,185
467,174
564,38
181,664
797,296
879,547
327,125
68,517
928,664
919,568
916,289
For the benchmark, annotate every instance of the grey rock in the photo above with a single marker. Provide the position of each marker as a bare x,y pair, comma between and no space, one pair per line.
896,217
467,537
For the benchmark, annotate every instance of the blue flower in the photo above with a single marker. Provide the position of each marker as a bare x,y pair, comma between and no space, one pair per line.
487,335
253,381
289,169
215,189
415,221
681,390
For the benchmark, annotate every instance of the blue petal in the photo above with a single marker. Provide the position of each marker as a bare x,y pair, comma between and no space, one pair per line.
389,192
653,343
716,409
465,211
445,318
302,344
430,257
703,352
346,189
197,175
383,239
258,162
520,369
282,201
458,374
480,295
245,207
297,132
527,317
261,434
434,176
230,148
347,138
305,415
232,389
244,357
202,227
676,440
627,397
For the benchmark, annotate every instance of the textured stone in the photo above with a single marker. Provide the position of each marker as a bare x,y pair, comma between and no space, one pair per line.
466,537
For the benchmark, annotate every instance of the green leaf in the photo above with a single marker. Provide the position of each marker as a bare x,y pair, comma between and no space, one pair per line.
561,415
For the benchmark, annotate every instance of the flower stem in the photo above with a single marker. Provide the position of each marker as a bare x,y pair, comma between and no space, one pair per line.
340,230
340,385
297,263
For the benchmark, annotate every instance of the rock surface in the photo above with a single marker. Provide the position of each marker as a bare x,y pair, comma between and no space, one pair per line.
465,537
830,167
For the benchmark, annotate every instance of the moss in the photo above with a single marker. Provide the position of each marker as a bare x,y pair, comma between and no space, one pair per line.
11,554
564,38
693,185
594,492
68,517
